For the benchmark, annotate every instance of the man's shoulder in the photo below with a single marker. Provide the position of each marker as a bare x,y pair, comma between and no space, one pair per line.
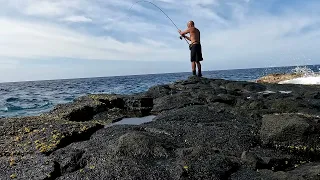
193,29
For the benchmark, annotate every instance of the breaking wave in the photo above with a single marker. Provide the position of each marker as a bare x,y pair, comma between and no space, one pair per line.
309,77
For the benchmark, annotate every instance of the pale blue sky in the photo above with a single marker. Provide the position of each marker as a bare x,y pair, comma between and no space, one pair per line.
53,39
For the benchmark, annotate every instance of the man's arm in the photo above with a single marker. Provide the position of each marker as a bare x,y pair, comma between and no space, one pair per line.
182,33
187,37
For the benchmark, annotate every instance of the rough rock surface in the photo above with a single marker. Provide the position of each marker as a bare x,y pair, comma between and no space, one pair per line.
203,129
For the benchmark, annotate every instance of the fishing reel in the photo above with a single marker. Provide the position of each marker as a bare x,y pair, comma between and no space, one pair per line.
190,45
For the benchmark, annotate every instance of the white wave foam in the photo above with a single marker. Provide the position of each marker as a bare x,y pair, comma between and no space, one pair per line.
309,77
303,80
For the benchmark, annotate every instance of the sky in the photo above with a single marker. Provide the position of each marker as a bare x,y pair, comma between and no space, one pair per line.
60,39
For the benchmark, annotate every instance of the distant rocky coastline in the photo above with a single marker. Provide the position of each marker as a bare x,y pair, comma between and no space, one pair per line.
278,77
203,129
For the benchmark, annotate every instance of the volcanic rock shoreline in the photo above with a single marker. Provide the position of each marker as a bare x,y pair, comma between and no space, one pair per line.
203,129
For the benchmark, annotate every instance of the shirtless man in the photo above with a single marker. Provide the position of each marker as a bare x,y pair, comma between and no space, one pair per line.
196,54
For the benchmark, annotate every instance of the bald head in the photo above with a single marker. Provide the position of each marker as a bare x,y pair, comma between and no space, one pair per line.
190,24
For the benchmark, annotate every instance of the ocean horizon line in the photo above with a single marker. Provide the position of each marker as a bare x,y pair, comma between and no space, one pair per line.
164,73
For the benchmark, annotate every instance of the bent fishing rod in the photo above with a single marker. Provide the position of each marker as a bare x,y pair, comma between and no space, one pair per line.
161,11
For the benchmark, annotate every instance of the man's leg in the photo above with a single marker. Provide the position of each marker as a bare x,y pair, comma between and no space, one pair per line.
199,59
192,59
193,65
199,68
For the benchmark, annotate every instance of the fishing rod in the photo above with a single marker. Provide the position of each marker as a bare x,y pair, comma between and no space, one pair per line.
161,11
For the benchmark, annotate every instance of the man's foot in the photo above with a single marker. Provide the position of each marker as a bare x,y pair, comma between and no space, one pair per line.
199,74
194,73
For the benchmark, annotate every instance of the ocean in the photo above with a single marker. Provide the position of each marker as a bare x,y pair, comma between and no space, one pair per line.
18,99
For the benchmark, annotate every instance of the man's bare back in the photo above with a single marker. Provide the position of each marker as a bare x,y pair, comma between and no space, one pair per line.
194,35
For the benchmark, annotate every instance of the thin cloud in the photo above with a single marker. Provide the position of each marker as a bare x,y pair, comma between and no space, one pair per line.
77,19
47,40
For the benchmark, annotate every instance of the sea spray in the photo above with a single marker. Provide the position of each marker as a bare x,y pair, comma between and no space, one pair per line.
309,77
307,72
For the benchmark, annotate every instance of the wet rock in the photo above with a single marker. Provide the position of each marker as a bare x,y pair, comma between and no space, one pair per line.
138,145
226,98
271,159
138,106
289,106
283,128
256,105
206,163
295,133
110,115
253,87
174,102
125,152
249,158
27,167
37,134
264,174
82,109
230,136
160,91
103,108
311,95
307,171
199,114
69,160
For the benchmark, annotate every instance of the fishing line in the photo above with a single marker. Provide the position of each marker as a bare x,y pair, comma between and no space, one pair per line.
161,11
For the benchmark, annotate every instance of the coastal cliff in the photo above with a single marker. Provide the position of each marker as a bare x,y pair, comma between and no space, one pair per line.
203,129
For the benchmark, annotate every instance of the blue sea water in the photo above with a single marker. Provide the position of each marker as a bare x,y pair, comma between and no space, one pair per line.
35,97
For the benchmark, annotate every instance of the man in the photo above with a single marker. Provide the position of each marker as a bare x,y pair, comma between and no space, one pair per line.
195,46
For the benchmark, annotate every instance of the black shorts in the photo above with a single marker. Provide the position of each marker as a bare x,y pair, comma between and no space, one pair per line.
196,53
